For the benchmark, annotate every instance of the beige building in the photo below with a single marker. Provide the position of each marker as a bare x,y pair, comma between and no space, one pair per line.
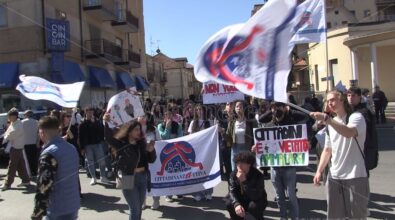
157,78
181,83
361,47
107,48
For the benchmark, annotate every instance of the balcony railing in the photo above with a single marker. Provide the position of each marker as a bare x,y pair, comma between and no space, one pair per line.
134,57
103,48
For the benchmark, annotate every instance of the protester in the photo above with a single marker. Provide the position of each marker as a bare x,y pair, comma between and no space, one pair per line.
151,134
347,184
57,195
380,104
133,157
30,131
366,98
91,137
284,178
15,135
170,129
200,122
157,113
246,189
240,131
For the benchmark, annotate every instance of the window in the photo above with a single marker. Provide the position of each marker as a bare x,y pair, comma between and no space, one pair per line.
366,13
333,67
352,12
336,12
3,15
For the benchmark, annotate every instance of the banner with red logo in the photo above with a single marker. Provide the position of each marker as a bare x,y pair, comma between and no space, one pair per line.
214,93
186,165
282,146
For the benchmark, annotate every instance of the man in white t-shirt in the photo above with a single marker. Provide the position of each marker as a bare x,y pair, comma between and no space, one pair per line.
348,185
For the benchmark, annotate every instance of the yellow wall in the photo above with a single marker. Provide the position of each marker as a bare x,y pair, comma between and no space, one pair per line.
336,50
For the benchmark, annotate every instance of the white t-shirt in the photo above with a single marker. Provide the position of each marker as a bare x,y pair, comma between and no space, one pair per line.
240,130
347,160
200,125
30,129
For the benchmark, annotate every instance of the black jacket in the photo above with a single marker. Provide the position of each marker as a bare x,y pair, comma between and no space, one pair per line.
129,156
252,189
90,132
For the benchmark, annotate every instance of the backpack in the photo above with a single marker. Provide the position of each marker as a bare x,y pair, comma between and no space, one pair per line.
371,146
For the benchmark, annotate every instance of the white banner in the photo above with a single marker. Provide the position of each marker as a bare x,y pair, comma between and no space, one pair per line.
124,107
186,165
253,56
282,146
36,88
214,93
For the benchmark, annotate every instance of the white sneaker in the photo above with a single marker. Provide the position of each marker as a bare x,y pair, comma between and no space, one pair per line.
169,199
104,180
197,198
93,181
209,197
155,205
4,187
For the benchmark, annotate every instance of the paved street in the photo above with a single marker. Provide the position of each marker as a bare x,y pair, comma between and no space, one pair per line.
105,202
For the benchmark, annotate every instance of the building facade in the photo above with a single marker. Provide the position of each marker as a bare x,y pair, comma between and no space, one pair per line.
181,83
104,46
361,45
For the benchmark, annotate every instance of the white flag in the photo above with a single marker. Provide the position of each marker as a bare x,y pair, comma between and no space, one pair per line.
252,56
36,88
186,165
124,107
309,23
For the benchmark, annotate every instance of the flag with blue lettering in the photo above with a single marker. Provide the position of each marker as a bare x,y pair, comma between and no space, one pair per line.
309,23
187,164
36,88
253,56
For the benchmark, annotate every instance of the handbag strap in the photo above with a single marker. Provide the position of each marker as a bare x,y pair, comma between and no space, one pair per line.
359,147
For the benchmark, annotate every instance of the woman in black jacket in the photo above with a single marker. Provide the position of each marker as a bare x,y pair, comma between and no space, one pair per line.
246,189
133,156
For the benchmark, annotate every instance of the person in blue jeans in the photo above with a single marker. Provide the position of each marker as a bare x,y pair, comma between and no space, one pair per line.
133,156
284,178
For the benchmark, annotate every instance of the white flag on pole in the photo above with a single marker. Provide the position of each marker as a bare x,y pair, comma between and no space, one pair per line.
253,56
36,88
309,23
186,165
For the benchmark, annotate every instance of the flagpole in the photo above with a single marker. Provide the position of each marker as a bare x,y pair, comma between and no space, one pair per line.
326,49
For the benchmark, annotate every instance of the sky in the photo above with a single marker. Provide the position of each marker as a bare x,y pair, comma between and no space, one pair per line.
181,27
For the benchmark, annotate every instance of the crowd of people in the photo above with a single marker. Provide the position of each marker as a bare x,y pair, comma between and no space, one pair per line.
59,145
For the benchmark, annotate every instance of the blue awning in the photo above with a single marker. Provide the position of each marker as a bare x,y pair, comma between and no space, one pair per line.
141,84
124,80
100,78
9,75
71,73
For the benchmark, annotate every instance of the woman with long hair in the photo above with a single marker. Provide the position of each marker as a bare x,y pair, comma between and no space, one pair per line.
170,129
157,113
151,134
200,122
133,156
239,133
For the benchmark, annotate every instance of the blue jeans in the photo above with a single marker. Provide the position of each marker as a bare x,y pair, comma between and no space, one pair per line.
94,152
71,216
237,148
284,178
136,196
107,156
